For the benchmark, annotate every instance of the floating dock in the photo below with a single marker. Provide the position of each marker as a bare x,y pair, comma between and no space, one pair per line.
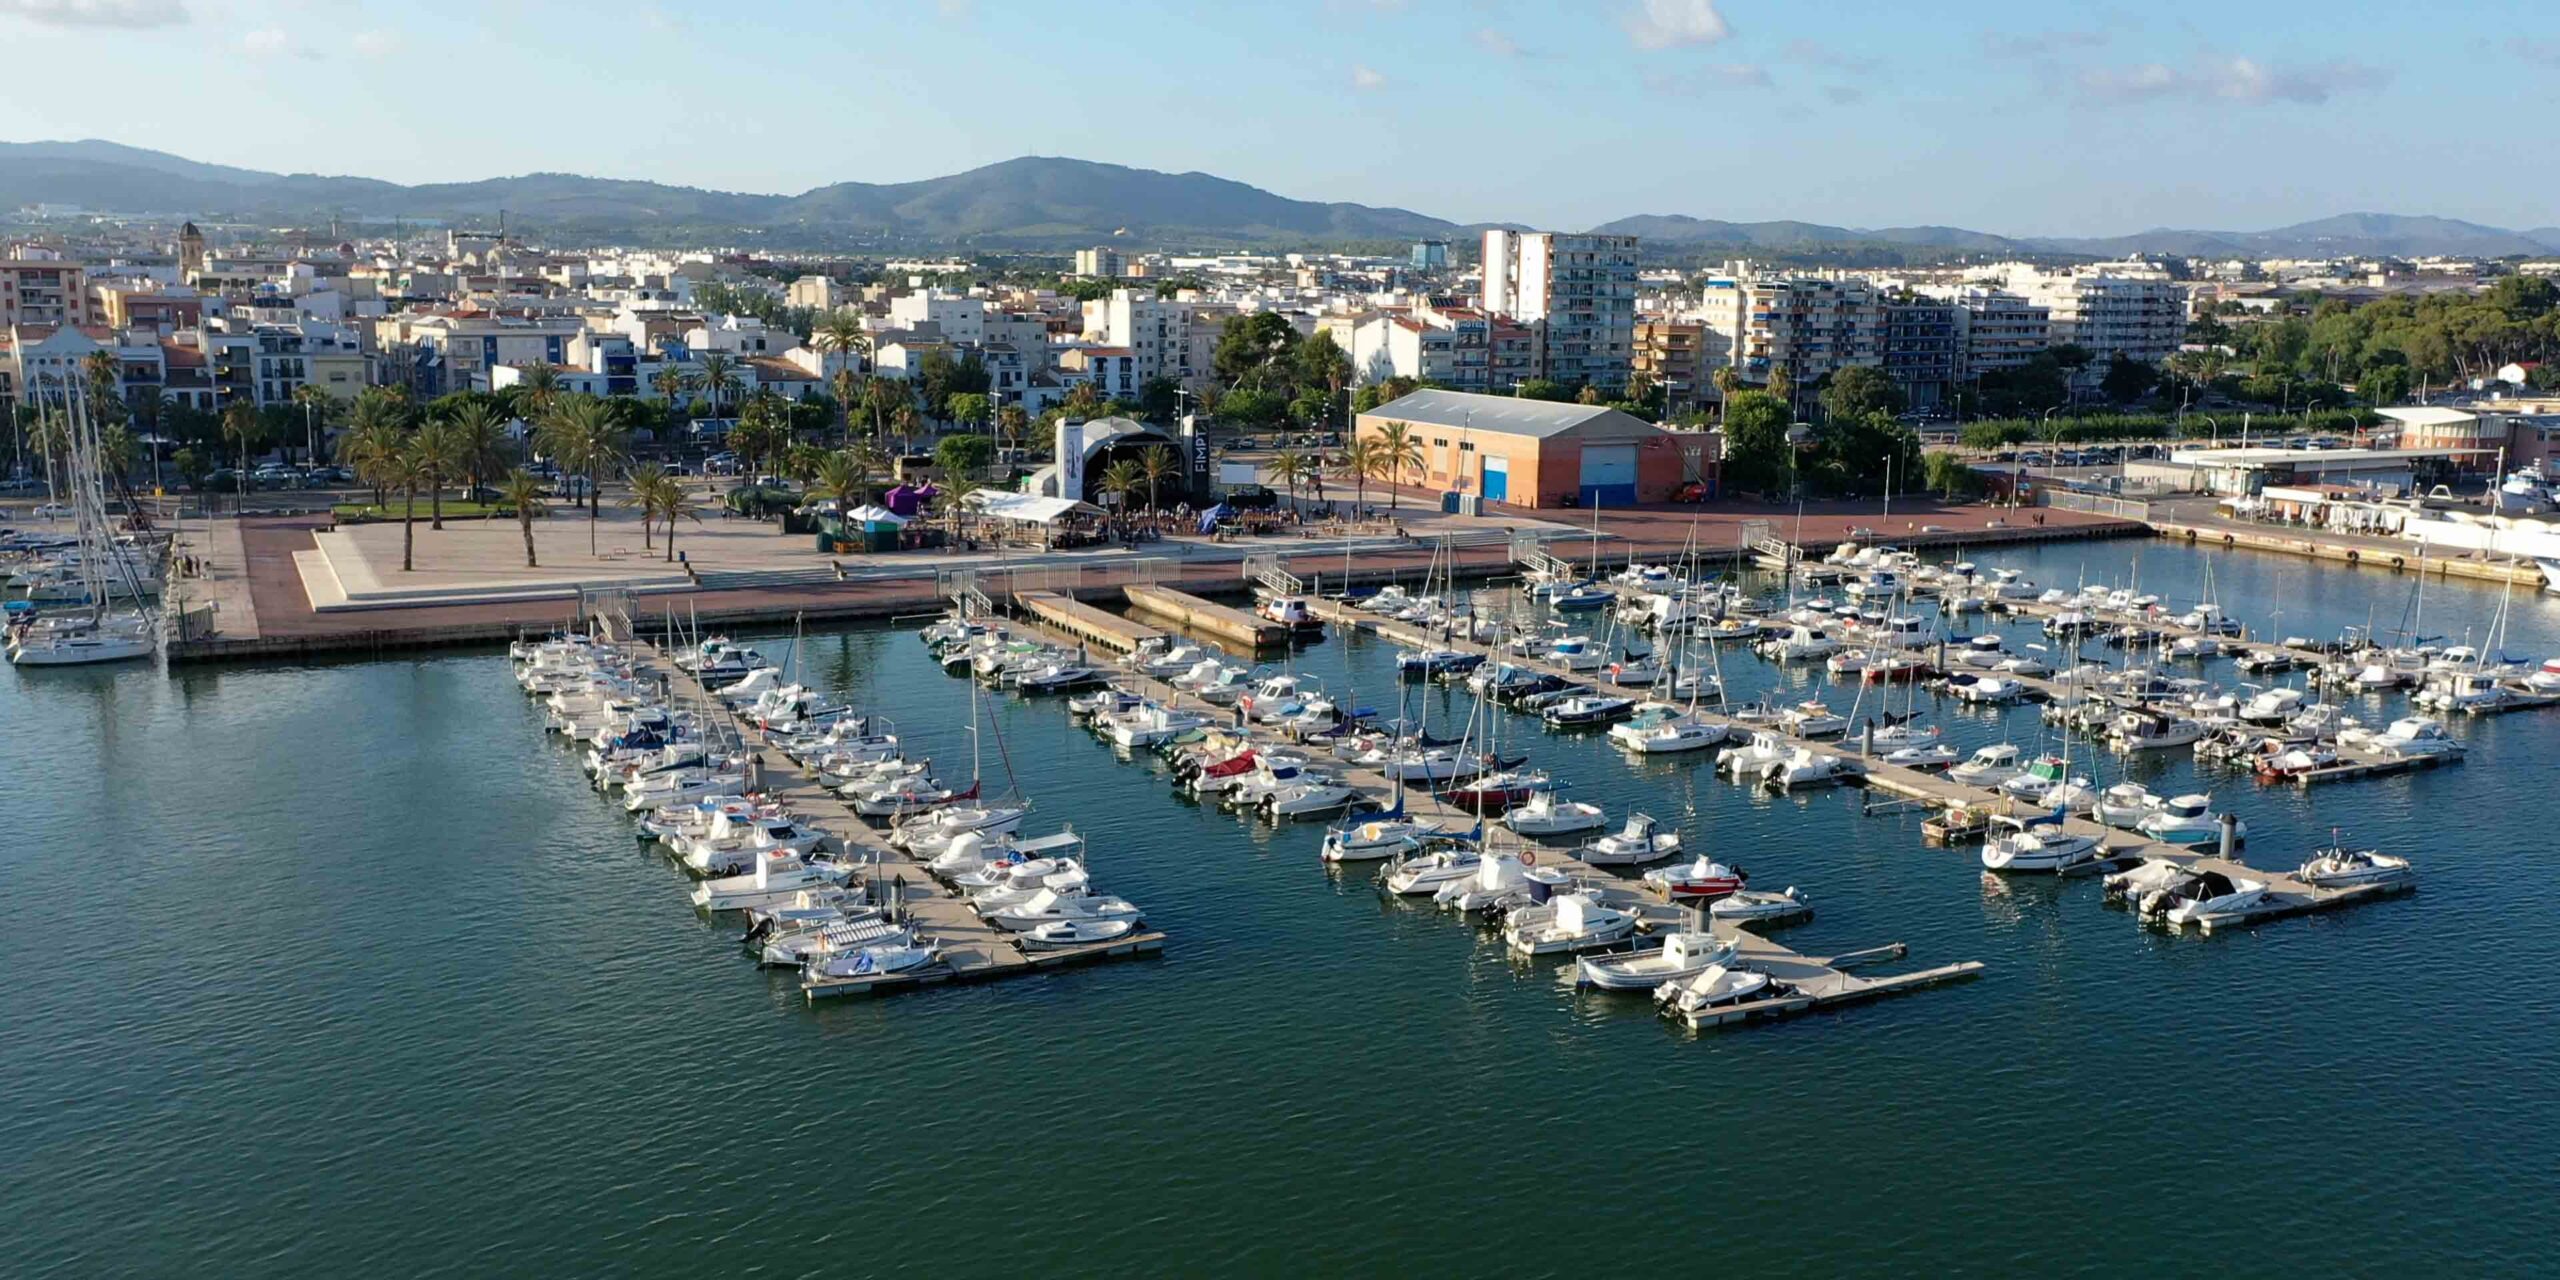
1232,625
971,949
1811,982
1085,623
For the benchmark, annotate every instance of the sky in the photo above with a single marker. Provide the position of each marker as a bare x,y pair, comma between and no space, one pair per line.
1998,115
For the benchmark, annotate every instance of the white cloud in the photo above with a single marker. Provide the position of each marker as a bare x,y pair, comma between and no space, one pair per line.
374,44
2231,79
1364,79
128,14
1493,41
1662,24
266,41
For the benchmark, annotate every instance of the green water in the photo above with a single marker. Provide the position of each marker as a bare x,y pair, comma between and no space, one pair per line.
344,964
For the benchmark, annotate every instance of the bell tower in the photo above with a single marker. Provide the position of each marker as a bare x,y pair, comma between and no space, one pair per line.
190,253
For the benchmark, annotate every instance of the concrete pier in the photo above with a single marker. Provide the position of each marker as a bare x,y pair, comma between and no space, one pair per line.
1088,625
1233,625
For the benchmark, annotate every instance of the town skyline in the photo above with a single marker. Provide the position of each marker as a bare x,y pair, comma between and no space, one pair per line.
1862,116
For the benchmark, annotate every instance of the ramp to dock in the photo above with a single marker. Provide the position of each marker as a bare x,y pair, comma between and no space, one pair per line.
1216,619
1086,623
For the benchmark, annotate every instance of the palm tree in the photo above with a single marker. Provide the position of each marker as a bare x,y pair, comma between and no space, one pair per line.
846,386
480,440
588,439
1012,421
671,382
316,405
905,419
1291,469
1356,463
439,451
522,490
538,388
668,500
1397,451
405,470
240,426
1123,478
643,495
844,478
1157,463
719,377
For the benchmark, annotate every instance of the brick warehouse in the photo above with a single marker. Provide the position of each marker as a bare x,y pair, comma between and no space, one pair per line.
1543,454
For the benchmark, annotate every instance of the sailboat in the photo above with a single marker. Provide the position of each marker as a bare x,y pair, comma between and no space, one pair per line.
102,631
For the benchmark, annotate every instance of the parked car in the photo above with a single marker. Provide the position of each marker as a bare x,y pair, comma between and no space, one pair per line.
51,511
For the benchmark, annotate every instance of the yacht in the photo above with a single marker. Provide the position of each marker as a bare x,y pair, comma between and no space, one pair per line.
1503,881
2205,895
1718,986
1312,794
1813,719
1639,841
2411,737
1988,766
1378,838
1547,813
2188,820
2152,731
1751,761
1681,956
1926,757
2271,706
1799,644
1585,709
1806,767
1754,906
2036,842
776,878
1572,922
1050,906
2338,867
1435,863
2124,805
1150,725
1664,731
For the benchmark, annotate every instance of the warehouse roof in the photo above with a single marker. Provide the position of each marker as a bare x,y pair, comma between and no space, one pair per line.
1514,415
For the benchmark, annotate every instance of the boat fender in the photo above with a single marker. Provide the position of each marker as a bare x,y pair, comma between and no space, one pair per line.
2226,540
2398,563
2353,555
2191,535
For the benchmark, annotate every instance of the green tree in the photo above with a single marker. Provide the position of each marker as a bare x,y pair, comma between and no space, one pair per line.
2385,384
1159,399
844,477
1292,469
1322,368
242,426
672,382
2127,379
537,389
480,440
964,456
1756,451
1012,423
720,378
1859,390
1547,389
1253,347
1950,476
969,410
405,470
1357,462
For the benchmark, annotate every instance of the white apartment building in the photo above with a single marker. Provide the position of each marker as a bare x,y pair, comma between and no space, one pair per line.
1577,292
1809,326
960,317
1996,330
1156,331
1102,262
2112,308
43,291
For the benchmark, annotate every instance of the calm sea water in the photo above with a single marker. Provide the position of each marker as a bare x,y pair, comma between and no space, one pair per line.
310,966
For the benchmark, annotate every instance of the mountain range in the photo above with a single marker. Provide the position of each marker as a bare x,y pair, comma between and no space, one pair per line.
1044,202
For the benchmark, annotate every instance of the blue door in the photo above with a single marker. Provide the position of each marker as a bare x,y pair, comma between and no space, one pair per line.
1608,475
1497,479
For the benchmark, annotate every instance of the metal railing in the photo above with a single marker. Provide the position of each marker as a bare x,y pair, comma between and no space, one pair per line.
2095,504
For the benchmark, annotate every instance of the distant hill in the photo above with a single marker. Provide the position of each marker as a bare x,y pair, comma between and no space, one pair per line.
1049,202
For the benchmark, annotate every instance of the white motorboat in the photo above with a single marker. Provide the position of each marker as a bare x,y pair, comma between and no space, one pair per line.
1058,935
1641,840
1050,905
871,962
2411,737
1150,725
1576,653
1681,956
1989,690
1755,906
731,846
1718,986
2338,867
850,930
1929,756
927,835
1752,761
1436,863
1311,794
1799,644
2151,731
1572,922
1988,766
1812,719
775,879
2124,805
1548,814
1503,880
682,787
1378,838
1677,733
2188,820
2036,842
2138,882
1806,767
2271,706
2206,895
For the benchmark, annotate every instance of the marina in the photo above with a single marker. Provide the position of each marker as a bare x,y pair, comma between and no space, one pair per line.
1246,908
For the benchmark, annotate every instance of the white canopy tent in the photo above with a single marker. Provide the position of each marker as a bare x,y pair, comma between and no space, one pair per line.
1025,507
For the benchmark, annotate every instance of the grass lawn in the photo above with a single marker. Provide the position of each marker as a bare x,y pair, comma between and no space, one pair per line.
454,509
